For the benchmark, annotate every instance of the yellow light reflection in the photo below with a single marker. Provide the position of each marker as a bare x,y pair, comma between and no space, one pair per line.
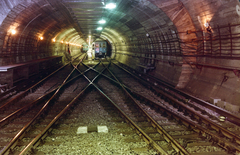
13,31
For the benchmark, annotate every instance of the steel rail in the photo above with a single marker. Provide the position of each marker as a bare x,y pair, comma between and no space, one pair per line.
218,128
215,126
229,116
228,134
139,130
34,143
30,90
176,146
21,133
9,117
26,83
188,111
7,92
18,112
25,108
196,127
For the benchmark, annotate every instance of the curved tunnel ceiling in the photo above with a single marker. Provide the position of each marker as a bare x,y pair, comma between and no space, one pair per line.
173,33
129,23
61,19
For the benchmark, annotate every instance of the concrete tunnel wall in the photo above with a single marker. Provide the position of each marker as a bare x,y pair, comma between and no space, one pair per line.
166,30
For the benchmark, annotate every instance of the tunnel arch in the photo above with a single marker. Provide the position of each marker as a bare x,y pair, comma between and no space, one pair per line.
169,34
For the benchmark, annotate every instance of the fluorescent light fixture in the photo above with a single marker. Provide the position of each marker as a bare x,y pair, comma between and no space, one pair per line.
99,28
102,21
110,6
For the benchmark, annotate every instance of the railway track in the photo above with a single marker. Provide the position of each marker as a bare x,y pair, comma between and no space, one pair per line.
126,105
20,114
212,137
188,99
23,85
205,117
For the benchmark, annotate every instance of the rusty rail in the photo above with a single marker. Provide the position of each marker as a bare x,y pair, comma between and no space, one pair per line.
14,141
176,146
224,132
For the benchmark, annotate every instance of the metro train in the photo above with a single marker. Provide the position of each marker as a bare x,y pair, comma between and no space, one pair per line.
100,49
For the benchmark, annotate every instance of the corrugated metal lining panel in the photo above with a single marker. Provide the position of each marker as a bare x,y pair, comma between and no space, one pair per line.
148,23
116,16
87,5
58,16
12,14
133,24
42,2
125,6
141,17
125,18
159,20
23,18
154,29
134,12
148,10
34,10
112,24
47,19
19,8
123,29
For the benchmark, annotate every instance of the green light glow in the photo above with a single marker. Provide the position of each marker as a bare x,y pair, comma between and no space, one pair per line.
110,6
102,21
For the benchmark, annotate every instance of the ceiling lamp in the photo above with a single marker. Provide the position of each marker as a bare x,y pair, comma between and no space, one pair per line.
102,21
41,38
111,6
54,40
208,27
99,28
13,31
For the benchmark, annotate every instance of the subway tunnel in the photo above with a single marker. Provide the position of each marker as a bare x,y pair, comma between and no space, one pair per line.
193,46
